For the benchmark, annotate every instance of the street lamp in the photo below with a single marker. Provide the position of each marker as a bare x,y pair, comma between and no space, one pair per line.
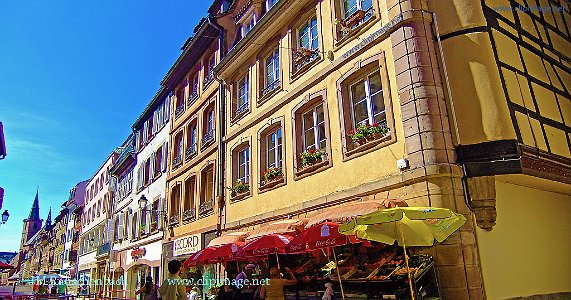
5,216
143,206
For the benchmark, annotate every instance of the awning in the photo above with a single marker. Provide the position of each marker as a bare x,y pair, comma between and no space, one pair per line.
229,238
281,227
5,266
346,212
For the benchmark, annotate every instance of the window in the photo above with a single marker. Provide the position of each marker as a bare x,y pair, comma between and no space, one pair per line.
274,149
191,136
308,35
271,72
179,102
207,190
134,225
194,88
174,207
154,216
248,24
102,180
147,171
365,107
208,123
244,165
313,129
367,102
209,69
177,159
351,14
143,229
189,212
242,96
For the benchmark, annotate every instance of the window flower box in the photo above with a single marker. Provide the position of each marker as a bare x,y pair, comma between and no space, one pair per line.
239,190
301,55
353,19
154,226
272,177
311,157
366,133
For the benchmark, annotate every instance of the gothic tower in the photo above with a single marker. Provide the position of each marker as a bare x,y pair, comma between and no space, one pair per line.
33,223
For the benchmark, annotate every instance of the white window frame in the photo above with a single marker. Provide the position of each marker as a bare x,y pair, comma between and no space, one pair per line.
368,98
308,31
358,6
249,24
274,60
244,163
242,98
314,127
274,152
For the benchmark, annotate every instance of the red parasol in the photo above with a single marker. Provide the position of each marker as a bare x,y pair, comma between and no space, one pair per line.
198,257
268,244
320,236
5,266
224,253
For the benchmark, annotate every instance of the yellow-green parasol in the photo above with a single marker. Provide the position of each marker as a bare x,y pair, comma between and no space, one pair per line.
408,226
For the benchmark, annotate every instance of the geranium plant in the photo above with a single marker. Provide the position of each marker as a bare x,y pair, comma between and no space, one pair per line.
366,130
240,187
271,174
311,156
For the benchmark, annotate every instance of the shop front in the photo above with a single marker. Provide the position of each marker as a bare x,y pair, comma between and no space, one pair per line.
141,262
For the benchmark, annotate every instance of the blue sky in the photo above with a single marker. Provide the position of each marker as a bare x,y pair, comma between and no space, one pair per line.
74,76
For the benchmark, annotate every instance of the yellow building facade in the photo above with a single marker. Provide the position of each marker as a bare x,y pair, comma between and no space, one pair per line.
469,105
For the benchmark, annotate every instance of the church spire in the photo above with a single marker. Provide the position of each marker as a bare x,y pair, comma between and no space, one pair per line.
35,212
49,219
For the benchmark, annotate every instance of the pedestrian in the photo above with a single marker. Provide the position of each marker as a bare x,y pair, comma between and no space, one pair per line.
274,288
149,290
244,288
173,287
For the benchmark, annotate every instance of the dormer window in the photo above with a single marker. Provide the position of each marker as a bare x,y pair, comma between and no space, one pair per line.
248,24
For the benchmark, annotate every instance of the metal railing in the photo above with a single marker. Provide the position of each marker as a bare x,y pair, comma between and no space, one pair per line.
179,110
242,108
208,78
189,215
208,138
271,87
174,220
192,98
177,161
190,152
206,207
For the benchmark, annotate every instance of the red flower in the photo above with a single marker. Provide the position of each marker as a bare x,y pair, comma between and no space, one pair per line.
375,124
351,132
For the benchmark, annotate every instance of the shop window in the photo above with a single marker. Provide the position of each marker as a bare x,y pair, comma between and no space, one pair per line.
351,15
240,172
207,191
191,140
271,157
365,107
189,208
307,47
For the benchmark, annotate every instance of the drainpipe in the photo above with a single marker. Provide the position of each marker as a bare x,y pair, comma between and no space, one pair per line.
221,131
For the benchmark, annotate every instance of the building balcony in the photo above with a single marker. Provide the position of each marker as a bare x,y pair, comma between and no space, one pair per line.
190,152
179,111
189,215
206,207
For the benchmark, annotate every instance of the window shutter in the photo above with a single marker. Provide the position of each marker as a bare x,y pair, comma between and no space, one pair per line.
152,168
165,156
137,140
160,214
110,230
168,107
121,228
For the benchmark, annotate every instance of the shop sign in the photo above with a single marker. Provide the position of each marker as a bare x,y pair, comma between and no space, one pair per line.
371,38
187,245
138,253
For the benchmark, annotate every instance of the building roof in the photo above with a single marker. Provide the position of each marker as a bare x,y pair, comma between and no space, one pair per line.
35,211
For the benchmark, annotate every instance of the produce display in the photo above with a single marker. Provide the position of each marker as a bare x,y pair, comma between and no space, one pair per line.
366,273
